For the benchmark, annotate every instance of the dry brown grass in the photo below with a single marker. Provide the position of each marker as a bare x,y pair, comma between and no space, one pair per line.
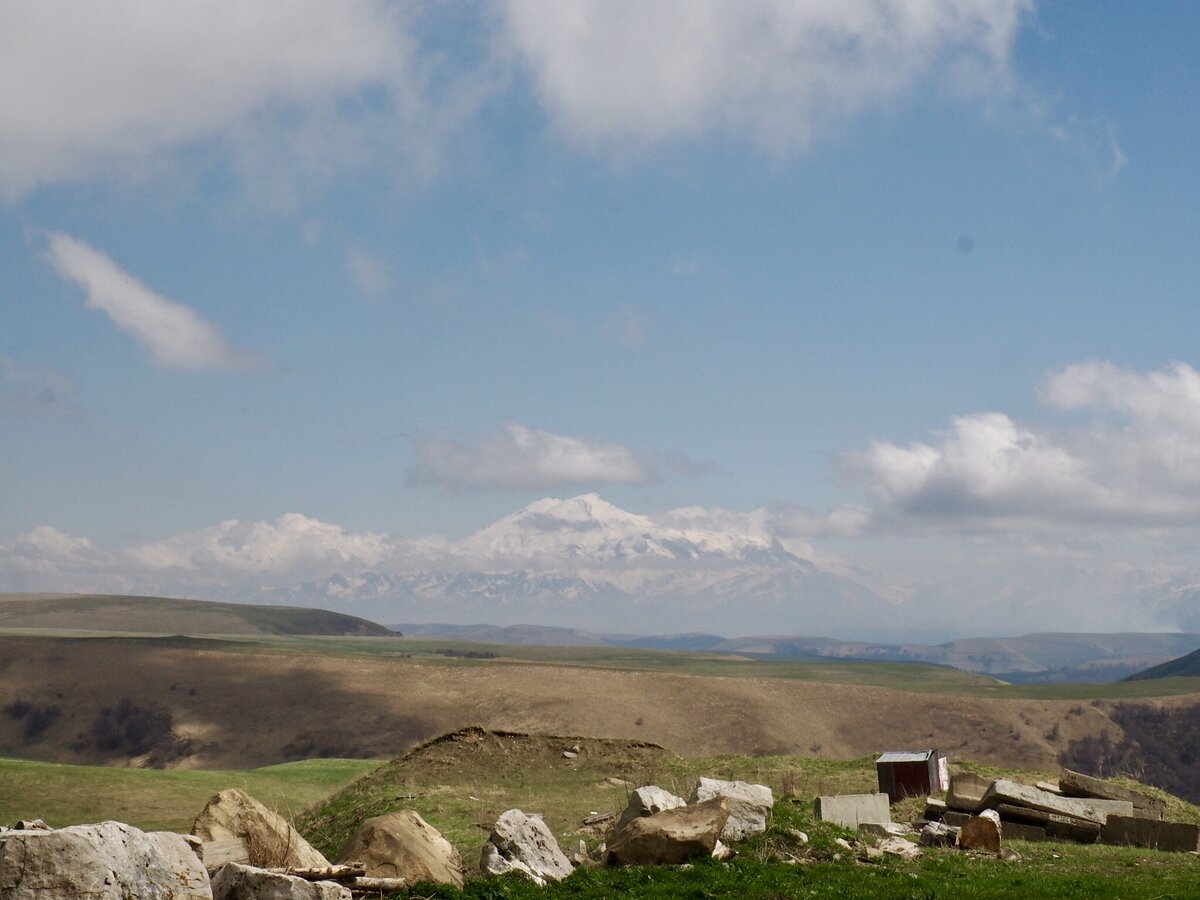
244,705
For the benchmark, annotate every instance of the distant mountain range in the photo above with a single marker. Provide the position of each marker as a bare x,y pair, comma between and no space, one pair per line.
584,563
1031,658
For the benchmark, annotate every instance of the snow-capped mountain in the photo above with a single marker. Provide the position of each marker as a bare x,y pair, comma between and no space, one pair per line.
584,562
589,529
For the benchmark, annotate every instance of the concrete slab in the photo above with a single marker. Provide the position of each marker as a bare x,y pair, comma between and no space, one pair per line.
852,810
1076,784
1008,792
1178,837
967,791
1021,831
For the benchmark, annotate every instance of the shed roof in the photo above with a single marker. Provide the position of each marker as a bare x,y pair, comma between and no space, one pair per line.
903,756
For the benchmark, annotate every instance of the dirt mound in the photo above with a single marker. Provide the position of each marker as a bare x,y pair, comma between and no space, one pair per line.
473,774
476,746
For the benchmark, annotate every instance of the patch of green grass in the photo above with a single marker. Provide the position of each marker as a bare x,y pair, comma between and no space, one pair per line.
778,865
154,799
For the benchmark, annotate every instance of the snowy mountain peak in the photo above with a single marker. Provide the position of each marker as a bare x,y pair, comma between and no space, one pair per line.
589,529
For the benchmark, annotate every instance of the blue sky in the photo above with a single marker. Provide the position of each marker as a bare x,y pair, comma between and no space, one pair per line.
402,268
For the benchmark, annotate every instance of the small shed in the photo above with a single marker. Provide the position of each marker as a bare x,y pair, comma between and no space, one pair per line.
912,773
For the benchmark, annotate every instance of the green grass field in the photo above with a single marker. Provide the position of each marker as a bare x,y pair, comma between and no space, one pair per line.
154,799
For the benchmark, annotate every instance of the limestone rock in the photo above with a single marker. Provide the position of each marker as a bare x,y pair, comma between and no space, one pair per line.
981,832
672,836
750,804
895,846
524,844
647,801
270,839
237,882
403,845
106,861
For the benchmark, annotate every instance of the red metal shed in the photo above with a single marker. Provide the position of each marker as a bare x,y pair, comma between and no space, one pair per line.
911,773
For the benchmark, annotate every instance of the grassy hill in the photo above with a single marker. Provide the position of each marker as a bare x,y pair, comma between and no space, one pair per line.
114,614
1184,667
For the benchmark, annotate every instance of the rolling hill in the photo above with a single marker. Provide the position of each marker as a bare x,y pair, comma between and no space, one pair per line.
114,614
1183,667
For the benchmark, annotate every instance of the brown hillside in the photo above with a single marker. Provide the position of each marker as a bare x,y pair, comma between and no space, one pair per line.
240,705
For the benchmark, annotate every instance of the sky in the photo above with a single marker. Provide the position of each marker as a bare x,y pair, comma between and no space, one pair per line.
917,276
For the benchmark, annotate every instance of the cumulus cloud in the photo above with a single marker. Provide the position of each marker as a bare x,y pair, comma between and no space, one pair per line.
32,389
123,84
776,71
293,546
521,458
1136,463
176,335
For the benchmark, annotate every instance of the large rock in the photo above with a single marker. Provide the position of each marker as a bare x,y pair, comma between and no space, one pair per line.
270,838
523,843
981,832
672,836
107,861
647,801
237,882
403,845
750,804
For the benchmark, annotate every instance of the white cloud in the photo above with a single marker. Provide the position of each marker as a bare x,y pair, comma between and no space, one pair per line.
96,87
521,458
775,71
176,336
32,389
1137,463
294,546
373,276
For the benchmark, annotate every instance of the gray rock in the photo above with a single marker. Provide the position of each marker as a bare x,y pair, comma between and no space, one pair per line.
750,804
886,829
237,882
403,845
647,801
894,846
523,843
673,836
105,861
270,838
935,834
